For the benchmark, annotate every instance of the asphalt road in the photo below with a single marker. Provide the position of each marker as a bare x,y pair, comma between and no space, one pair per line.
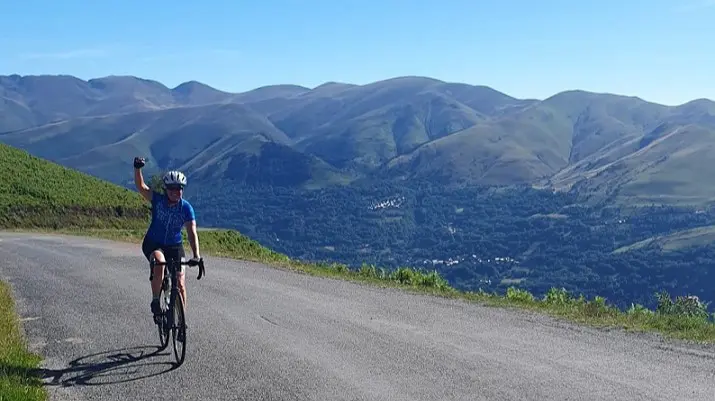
259,333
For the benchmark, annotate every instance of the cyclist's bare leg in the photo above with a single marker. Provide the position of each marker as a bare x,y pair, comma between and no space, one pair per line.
158,273
182,287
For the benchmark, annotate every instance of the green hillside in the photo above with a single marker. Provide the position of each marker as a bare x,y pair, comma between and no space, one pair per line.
35,193
683,239
607,148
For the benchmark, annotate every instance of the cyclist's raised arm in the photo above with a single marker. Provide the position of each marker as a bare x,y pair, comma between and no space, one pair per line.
143,189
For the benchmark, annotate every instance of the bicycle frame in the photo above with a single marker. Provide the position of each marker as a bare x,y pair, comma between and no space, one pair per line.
171,267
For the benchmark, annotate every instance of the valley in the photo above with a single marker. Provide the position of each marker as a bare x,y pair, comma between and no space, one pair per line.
480,238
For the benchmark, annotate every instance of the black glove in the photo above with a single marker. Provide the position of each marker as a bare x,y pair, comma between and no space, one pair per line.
139,162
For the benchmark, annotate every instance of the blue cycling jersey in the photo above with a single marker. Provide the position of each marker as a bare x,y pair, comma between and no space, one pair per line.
167,221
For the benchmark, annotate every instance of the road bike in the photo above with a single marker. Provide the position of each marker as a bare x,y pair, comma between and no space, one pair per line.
170,301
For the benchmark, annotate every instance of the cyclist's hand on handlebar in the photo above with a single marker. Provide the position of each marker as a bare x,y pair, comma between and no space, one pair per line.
198,261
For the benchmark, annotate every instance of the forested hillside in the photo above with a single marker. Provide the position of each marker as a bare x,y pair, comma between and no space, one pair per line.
477,237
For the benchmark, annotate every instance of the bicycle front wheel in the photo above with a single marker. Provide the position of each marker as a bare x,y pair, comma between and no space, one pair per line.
163,320
179,330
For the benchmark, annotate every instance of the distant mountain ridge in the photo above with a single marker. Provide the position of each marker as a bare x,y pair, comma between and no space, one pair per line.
607,147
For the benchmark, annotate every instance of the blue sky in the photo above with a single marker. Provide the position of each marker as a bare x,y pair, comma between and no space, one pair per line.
660,50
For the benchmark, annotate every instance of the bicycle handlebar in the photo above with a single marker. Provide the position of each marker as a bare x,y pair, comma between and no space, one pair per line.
190,262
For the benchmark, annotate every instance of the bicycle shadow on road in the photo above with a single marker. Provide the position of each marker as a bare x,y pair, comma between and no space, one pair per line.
108,367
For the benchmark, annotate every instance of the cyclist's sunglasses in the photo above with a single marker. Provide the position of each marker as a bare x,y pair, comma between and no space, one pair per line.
174,187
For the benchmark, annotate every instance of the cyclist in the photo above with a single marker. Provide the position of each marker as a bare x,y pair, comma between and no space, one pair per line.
169,213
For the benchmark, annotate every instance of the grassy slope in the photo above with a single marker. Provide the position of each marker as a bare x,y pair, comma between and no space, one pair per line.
699,236
525,147
101,145
35,193
40,196
16,364
668,170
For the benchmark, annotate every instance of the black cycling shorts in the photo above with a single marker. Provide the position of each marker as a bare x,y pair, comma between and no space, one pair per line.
169,251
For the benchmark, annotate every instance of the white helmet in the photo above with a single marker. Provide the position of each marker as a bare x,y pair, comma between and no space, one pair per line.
174,178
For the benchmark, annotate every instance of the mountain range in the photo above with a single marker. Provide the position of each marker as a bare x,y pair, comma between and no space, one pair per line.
605,147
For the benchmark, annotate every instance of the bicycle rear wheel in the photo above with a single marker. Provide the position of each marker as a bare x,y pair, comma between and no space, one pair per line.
178,330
